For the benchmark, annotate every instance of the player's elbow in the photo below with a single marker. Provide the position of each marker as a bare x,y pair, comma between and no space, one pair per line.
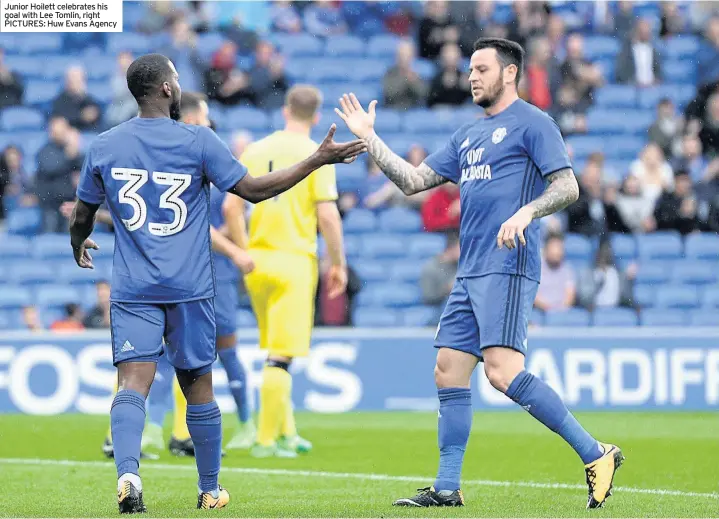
251,191
574,190
328,217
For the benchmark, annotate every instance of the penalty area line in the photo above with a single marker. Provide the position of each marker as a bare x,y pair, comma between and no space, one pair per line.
355,475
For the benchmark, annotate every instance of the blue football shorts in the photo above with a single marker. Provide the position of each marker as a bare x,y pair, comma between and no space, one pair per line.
485,311
226,302
188,329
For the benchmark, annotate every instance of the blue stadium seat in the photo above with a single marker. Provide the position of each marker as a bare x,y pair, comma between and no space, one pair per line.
644,295
663,317
365,92
577,247
128,41
14,297
360,220
42,43
383,246
684,46
565,318
680,93
704,318
615,317
246,319
616,96
50,314
582,146
677,296
56,295
16,118
623,148
603,122
208,44
653,273
32,273
106,242
99,69
704,246
695,272
400,219
405,270
425,68
624,246
388,121
710,298
41,93
48,246
383,45
24,220
71,274
597,47
247,118
420,316
329,71
431,121
353,245
29,67
13,247
371,271
370,70
298,45
536,317
426,245
100,91
344,46
659,245
375,317
6,322
393,295
679,71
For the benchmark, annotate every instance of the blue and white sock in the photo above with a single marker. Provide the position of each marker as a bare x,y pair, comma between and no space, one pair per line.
237,379
543,403
127,420
204,422
454,425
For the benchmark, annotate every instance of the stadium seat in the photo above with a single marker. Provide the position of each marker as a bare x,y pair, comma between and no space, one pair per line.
32,273
6,322
644,295
365,92
383,246
659,245
626,147
106,242
393,295
677,296
710,298
598,47
128,41
683,46
577,248
50,314
565,318
704,318
420,316
695,272
679,71
344,46
400,219
388,121
536,317
329,71
353,245
603,122
298,45
246,118
663,317
615,317
383,45
41,43
208,44
653,273
583,146
360,221
41,93
13,247
29,67
56,295
14,297
24,220
616,96
371,271
16,118
246,319
366,70
71,274
426,245
375,317
405,270
704,246
624,246
51,246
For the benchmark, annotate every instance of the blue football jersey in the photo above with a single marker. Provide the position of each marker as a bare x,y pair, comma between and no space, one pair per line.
225,270
500,163
155,175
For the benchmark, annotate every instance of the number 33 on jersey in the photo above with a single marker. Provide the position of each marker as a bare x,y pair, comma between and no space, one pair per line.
155,176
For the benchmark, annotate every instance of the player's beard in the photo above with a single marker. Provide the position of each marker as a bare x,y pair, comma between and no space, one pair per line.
493,93
175,109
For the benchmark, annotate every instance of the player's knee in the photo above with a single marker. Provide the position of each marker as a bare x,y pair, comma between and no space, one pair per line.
499,377
196,384
136,376
444,376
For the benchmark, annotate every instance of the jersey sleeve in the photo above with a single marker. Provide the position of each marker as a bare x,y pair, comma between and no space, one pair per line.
545,146
324,184
219,165
445,161
90,188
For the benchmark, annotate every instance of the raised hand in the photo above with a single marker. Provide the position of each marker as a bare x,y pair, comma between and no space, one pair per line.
359,122
331,152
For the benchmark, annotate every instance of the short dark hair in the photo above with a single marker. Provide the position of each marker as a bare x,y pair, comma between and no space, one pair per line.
146,73
191,101
508,53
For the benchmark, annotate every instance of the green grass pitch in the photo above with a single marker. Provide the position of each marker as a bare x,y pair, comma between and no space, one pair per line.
53,467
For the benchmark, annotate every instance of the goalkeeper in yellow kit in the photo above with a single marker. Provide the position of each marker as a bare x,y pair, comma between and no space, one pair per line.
283,245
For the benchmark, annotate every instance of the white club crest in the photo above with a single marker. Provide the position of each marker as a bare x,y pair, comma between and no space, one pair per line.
499,135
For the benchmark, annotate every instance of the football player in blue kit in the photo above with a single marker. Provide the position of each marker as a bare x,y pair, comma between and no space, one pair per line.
512,168
155,174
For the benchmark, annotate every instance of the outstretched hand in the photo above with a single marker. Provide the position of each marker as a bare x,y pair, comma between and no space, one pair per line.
359,122
331,152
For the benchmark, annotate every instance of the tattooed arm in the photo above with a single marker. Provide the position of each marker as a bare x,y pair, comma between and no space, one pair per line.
561,192
408,178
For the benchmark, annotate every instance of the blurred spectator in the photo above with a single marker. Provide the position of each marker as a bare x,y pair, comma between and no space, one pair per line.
473,19
237,32
677,210
624,19
31,319
558,289
53,182
591,215
672,21
635,210
402,87
604,285
156,18
450,87
199,16
323,18
267,77
435,29
666,128
11,85
542,73
99,315
415,156
708,56
72,322
182,51
14,181
74,104
709,133
690,158
225,83
285,17
639,62
653,171
569,111
253,16
439,273
528,18
441,209
555,35
377,190
240,141
123,106
336,311
579,72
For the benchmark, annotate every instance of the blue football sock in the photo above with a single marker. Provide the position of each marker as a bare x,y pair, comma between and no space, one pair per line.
127,420
455,422
543,403
204,422
160,400
237,380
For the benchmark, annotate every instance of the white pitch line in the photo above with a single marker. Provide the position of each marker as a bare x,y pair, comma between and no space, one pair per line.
355,475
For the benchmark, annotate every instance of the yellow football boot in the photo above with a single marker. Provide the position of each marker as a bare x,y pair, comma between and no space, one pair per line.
600,475
208,501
